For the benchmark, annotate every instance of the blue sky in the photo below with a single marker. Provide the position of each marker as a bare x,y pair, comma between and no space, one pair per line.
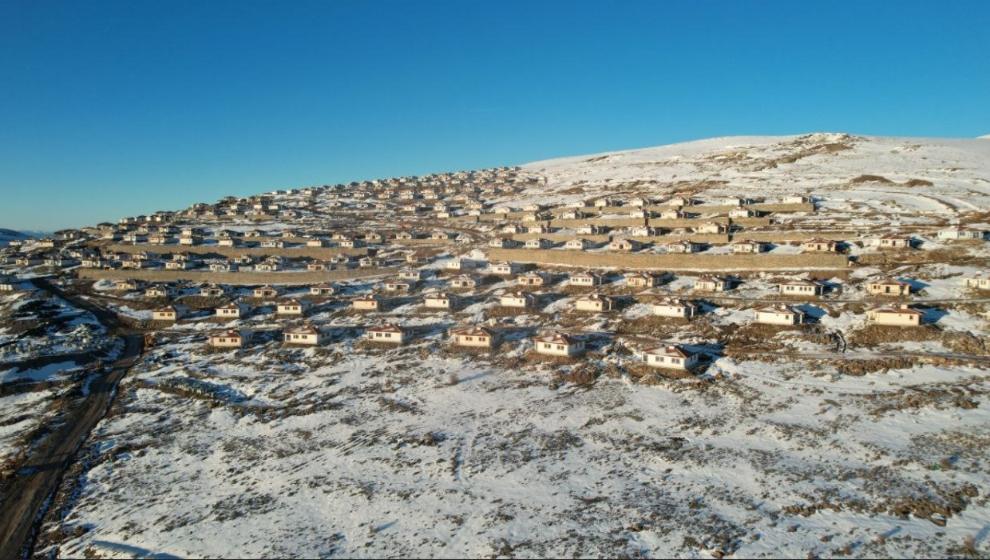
116,108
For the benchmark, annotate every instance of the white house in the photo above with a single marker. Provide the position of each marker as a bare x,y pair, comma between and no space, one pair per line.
711,284
440,300
902,316
474,337
960,234
289,307
227,339
229,311
368,302
671,356
676,308
801,288
522,300
558,344
305,335
388,333
779,315
595,303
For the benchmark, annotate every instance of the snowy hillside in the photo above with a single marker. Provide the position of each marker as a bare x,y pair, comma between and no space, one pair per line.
938,174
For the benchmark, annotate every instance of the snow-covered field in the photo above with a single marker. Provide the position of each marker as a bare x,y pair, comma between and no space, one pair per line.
784,445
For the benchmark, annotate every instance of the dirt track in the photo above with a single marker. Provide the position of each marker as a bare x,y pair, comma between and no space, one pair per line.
27,496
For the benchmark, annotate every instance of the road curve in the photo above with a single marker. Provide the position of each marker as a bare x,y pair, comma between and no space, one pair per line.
28,495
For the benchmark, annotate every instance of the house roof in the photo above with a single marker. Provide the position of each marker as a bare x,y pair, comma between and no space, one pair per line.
897,310
779,309
303,329
556,338
674,350
226,334
387,327
472,330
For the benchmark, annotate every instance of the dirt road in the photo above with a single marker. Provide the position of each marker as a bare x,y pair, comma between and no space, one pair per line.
27,497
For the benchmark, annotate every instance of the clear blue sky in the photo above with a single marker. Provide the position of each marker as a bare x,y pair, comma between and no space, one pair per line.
116,108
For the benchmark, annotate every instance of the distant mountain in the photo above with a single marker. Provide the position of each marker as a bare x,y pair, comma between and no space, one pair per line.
8,235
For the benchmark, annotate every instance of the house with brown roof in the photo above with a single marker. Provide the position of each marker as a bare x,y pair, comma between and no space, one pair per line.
712,284
558,344
532,279
463,282
370,302
304,335
264,292
290,307
901,316
888,287
388,333
642,280
801,288
474,337
819,245
682,247
584,279
168,313
522,300
749,246
671,356
677,308
577,243
595,303
229,311
440,300
620,244
227,339
322,290
779,315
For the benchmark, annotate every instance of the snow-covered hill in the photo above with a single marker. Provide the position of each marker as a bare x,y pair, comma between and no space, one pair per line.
954,173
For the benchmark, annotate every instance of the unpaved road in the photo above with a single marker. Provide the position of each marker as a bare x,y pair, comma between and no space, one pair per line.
27,496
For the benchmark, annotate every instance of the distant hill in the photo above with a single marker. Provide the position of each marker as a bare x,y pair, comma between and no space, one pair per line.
8,235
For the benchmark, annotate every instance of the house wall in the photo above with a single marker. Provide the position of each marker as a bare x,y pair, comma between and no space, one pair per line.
473,341
895,319
777,318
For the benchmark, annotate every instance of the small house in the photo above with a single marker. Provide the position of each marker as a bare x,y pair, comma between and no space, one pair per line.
305,335
978,282
289,307
226,339
642,280
229,311
671,356
522,300
585,279
503,268
538,243
888,288
264,292
902,316
157,292
675,308
321,290
595,303
801,288
620,244
440,300
892,242
558,344
532,279
749,246
388,333
682,247
712,284
168,313
369,302
413,274
779,315
819,245
474,337
577,244
463,282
